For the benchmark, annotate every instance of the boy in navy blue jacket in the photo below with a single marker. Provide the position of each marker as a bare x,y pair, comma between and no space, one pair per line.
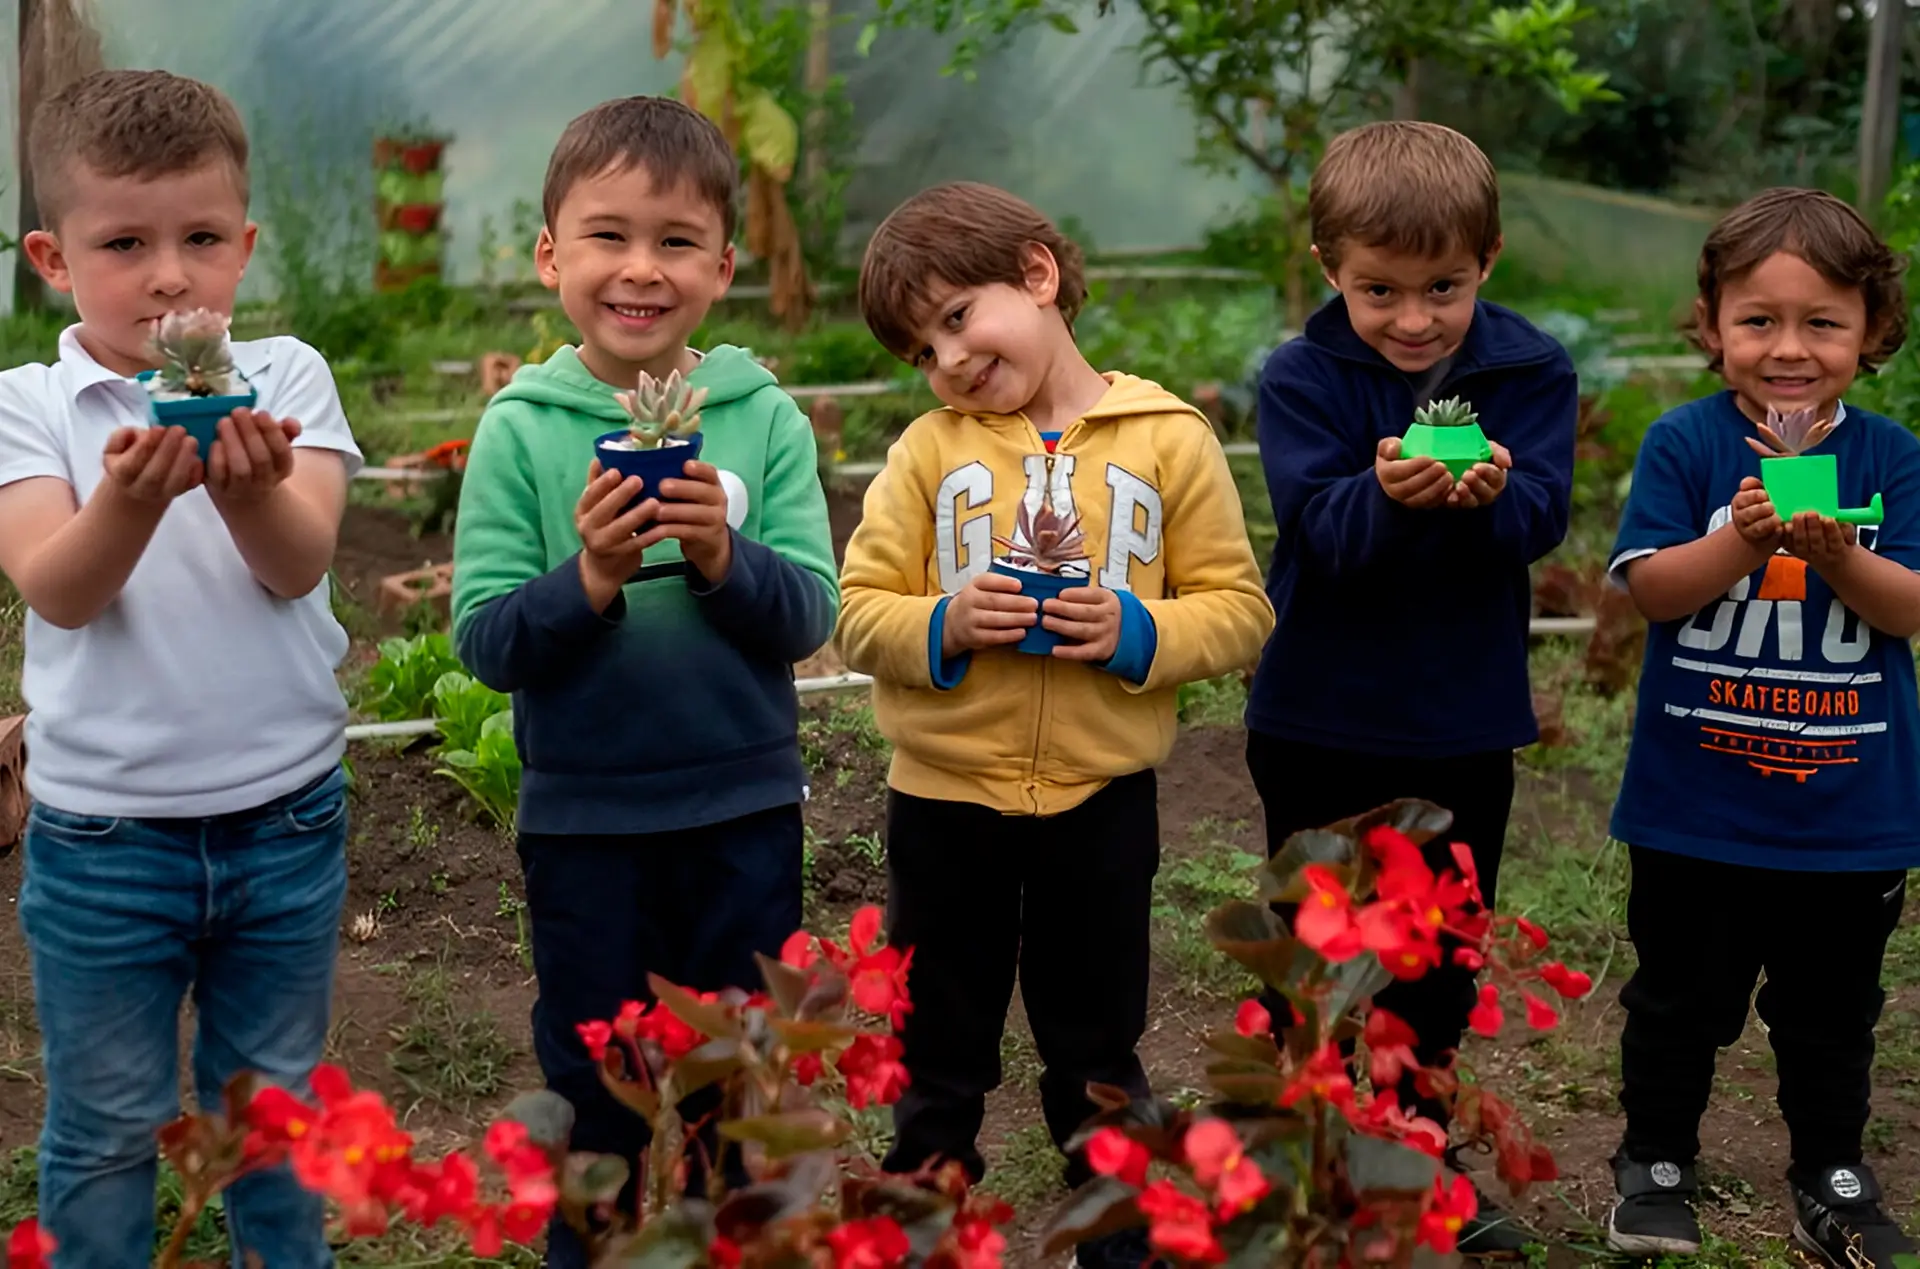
1398,667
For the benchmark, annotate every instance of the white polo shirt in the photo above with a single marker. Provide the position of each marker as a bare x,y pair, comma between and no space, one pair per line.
197,691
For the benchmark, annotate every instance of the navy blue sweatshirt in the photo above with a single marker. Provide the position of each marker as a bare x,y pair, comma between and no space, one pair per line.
1404,632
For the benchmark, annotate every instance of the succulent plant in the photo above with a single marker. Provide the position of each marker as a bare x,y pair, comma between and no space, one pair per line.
1452,412
195,359
1787,435
1045,542
662,409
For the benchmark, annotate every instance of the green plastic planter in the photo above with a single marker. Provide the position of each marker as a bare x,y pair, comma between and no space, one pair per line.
1811,482
1459,448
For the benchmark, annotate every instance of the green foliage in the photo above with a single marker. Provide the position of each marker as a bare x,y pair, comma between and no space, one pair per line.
461,706
1180,341
401,684
490,771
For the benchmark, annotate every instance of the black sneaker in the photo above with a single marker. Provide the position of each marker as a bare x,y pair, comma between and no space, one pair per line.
1840,1218
1126,1249
1494,1232
1654,1216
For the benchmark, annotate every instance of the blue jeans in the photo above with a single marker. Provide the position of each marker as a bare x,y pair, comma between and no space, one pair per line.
122,916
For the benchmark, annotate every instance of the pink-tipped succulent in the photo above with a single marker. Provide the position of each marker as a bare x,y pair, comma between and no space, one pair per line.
1788,435
662,410
1045,542
195,359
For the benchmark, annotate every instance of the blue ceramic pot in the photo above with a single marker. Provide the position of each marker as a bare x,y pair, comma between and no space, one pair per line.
1039,640
199,415
668,462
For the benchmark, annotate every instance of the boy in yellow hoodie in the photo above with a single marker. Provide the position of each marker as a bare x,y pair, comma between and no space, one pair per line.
1022,823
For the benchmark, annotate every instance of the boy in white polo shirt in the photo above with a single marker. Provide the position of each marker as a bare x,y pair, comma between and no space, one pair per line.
185,735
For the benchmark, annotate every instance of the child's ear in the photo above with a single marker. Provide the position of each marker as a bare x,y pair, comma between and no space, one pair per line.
249,239
1040,274
1325,272
543,259
49,261
727,263
1493,256
1705,327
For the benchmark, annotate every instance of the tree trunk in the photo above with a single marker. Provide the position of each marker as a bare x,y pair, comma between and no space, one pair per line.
1293,216
28,291
819,75
1406,95
1880,109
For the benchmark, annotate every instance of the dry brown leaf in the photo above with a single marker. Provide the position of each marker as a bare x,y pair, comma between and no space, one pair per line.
663,11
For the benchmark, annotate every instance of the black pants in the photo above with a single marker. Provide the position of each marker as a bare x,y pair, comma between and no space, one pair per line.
692,906
1704,931
1064,902
1306,786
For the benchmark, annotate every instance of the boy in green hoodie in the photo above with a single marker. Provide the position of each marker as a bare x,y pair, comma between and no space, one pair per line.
648,641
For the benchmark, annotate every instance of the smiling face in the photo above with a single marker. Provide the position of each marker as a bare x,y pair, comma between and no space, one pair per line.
637,268
131,249
1412,310
992,349
1786,336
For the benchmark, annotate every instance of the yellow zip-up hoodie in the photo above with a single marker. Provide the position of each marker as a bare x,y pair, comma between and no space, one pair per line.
1034,735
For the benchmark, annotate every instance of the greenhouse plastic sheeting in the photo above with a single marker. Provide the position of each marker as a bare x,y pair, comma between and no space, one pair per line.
1065,120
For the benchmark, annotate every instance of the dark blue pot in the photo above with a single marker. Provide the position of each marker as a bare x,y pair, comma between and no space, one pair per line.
1041,587
199,415
651,465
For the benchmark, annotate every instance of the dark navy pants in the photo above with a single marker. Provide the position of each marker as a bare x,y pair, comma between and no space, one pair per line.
692,905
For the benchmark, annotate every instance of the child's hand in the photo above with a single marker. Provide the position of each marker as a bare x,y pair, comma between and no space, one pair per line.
153,465
1088,615
988,612
1754,517
1483,481
250,455
1819,541
698,517
1412,482
609,551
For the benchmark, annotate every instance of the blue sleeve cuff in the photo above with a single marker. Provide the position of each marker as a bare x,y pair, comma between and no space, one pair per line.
946,671
1132,660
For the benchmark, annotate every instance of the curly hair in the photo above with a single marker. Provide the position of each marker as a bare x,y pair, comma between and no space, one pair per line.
1833,238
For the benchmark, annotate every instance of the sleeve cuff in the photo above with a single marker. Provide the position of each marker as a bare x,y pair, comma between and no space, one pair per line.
1132,659
558,600
946,672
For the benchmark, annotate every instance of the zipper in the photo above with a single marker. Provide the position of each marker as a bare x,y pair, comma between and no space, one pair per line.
1045,668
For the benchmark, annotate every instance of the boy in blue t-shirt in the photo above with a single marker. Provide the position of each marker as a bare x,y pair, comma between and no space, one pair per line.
1771,803
1398,667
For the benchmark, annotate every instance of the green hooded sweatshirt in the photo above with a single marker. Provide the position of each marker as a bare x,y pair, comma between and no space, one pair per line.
675,708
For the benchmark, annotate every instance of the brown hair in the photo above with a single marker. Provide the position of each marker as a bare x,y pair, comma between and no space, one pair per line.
1406,186
1833,238
670,139
143,123
961,234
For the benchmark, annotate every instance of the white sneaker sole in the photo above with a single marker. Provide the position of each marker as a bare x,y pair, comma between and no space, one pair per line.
1647,1244
1812,1245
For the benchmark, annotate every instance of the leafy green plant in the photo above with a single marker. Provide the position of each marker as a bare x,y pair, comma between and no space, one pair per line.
1259,81
402,682
461,706
490,771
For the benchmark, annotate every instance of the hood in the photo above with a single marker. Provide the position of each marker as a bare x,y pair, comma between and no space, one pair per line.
1497,338
727,373
1126,396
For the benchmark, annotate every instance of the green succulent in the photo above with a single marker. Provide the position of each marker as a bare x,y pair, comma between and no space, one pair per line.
1452,412
195,359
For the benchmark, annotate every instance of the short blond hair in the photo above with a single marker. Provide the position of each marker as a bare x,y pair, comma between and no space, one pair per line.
142,123
1405,186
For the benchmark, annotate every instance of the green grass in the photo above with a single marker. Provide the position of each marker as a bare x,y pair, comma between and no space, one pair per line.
13,648
449,1052
1029,1171
1212,871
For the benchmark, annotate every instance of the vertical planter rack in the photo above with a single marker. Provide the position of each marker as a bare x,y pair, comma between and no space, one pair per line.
409,202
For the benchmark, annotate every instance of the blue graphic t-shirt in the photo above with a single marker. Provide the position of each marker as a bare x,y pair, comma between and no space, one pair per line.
1775,728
